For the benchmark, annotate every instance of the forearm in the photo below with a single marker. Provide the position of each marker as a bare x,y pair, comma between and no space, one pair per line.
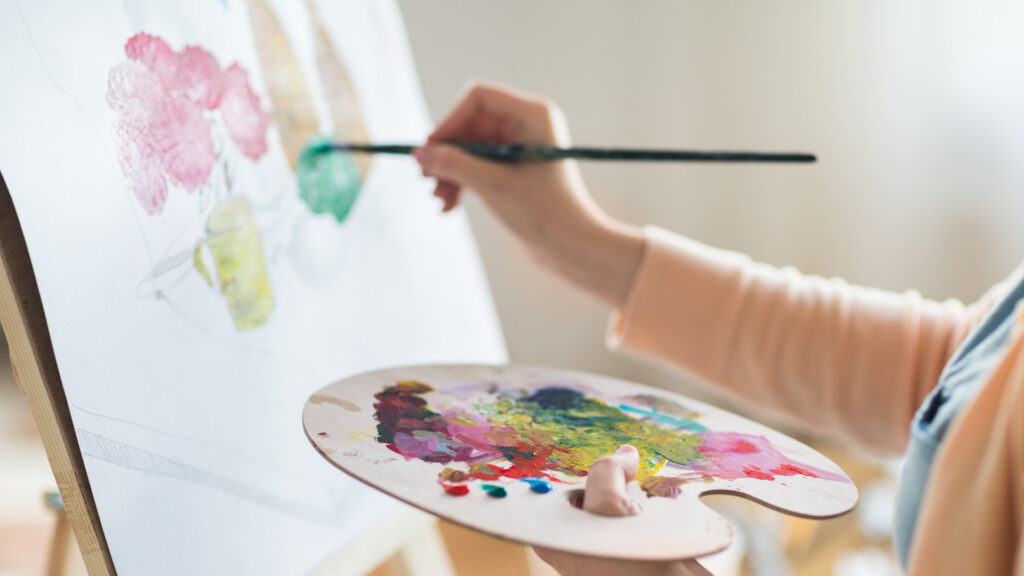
599,256
853,360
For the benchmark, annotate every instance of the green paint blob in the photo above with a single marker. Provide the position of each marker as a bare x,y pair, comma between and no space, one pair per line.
329,181
557,429
494,491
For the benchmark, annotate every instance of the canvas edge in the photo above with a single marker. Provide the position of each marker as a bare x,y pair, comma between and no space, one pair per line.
36,372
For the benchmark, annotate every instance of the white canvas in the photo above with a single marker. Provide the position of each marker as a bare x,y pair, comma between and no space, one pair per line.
186,394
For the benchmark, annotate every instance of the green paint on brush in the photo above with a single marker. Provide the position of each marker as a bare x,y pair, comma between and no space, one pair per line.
329,181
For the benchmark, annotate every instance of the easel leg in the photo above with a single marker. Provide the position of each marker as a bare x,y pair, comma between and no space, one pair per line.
538,567
57,563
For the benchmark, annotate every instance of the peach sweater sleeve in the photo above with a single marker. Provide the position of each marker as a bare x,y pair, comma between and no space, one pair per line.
851,361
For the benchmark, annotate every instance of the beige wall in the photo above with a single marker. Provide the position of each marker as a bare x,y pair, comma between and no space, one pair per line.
911,106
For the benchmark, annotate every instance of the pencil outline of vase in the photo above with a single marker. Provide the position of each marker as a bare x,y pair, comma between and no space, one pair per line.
233,239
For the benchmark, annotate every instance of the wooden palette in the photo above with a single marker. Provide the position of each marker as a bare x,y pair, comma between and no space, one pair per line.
426,434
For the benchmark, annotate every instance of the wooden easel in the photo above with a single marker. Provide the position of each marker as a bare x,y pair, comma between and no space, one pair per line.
408,541
35,370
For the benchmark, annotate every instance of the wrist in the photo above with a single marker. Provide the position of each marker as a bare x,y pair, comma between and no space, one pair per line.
599,255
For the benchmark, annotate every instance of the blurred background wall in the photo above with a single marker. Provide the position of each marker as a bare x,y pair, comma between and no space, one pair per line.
913,108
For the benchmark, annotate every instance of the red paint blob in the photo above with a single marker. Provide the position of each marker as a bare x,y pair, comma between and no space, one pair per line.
742,447
322,434
755,472
460,490
790,470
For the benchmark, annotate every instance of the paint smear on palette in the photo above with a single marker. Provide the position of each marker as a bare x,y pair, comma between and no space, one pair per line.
345,404
553,433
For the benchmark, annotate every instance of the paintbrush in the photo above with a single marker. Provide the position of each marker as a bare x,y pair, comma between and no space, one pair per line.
522,153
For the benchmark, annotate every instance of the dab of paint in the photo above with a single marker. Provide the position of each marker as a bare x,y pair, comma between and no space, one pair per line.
322,434
494,491
453,475
790,470
755,472
538,485
329,181
663,486
320,399
457,490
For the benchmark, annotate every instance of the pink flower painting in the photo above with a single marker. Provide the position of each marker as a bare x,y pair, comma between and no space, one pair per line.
165,103
246,123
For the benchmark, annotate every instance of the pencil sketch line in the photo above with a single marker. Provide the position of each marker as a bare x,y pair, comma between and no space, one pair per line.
85,117
208,444
160,296
296,364
134,458
167,259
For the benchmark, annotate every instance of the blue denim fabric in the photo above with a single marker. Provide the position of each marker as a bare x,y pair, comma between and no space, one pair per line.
959,383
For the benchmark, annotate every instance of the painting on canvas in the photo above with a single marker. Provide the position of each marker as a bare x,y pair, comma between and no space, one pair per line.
199,281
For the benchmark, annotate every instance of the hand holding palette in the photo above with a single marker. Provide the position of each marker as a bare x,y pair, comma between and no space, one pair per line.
505,449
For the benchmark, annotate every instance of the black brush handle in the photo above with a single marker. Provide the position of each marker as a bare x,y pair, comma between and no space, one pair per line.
520,153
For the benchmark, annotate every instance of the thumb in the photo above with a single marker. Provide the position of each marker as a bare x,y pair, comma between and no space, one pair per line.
453,164
630,460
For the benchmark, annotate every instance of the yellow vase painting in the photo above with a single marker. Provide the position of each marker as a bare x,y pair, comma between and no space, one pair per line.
233,239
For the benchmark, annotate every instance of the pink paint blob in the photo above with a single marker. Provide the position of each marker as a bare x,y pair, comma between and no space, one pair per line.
183,141
153,53
156,128
163,100
192,73
734,455
198,77
244,120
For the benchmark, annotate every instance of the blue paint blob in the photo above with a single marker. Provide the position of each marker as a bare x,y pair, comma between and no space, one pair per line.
538,485
557,398
664,419
494,491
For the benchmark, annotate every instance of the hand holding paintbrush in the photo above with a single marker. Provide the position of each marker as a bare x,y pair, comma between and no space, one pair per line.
545,204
